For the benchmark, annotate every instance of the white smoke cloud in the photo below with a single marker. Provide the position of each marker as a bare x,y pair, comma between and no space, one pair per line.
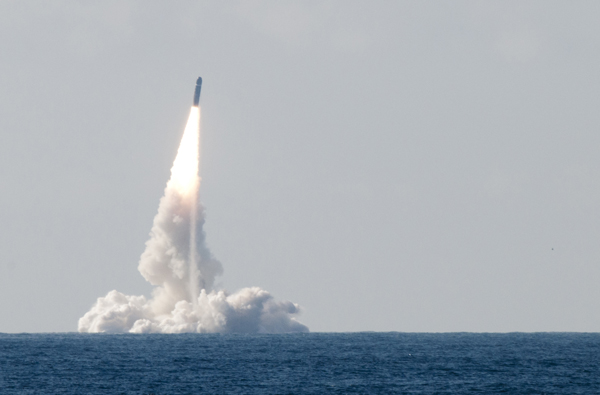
182,269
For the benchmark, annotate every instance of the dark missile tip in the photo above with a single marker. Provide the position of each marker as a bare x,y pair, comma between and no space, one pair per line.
197,91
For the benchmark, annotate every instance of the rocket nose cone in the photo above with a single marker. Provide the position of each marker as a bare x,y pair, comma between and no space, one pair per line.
199,81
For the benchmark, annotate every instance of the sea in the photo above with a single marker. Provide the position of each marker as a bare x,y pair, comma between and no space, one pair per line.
307,363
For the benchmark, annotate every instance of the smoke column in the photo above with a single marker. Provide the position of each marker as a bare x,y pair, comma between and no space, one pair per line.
182,270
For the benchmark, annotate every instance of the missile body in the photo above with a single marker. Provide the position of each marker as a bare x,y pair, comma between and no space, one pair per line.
197,91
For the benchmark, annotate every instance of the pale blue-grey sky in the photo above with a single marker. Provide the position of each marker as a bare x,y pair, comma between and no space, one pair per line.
388,165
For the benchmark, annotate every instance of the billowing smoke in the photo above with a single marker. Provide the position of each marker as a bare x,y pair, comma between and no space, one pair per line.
182,269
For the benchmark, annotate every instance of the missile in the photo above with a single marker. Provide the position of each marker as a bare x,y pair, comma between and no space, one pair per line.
197,91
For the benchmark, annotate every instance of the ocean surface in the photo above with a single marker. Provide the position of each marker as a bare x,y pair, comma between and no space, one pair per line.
311,363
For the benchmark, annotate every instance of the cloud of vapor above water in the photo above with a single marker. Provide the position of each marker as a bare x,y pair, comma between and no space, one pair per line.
182,269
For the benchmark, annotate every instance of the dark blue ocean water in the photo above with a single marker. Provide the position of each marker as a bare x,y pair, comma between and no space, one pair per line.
312,363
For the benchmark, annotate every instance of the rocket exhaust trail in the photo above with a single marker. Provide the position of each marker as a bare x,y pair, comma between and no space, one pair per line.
193,264
186,182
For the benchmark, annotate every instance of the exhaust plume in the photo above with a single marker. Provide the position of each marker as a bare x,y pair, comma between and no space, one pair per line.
182,269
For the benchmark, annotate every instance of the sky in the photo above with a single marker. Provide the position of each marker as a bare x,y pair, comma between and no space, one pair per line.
425,166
